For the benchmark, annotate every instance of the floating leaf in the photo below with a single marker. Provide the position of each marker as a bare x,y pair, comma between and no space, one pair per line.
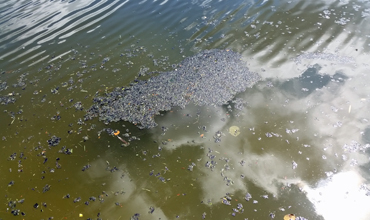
234,130
289,217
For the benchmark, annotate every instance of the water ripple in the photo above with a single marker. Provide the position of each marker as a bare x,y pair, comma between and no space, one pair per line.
26,23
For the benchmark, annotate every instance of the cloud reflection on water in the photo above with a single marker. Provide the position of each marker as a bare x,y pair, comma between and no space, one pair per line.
132,197
328,142
340,197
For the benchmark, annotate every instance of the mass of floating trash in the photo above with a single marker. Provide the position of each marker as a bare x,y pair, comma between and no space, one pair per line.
212,77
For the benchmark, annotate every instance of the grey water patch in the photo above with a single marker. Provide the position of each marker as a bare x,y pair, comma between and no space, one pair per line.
366,135
309,81
212,77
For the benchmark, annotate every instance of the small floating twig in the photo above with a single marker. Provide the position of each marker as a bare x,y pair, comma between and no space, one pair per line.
125,142
13,120
121,139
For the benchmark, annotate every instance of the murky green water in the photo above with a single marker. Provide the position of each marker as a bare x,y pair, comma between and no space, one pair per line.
303,135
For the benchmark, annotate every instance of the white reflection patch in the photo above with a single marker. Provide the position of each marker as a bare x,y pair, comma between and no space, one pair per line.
340,197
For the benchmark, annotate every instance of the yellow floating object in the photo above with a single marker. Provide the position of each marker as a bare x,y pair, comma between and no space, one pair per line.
80,215
289,217
234,130
116,133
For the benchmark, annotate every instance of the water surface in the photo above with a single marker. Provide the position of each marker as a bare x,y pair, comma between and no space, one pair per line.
304,128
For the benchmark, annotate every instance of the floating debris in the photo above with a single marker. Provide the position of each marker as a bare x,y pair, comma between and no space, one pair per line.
248,197
272,215
212,77
225,201
86,167
54,141
46,188
294,165
191,166
135,216
151,209
217,136
289,217
4,100
234,130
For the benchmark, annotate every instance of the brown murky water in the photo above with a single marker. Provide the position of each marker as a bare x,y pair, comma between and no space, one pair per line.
302,133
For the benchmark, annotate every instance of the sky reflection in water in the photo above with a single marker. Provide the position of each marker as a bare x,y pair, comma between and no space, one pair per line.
326,142
304,128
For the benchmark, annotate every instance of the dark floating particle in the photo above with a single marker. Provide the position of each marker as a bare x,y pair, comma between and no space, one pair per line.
191,166
56,117
135,216
16,212
86,167
12,204
151,209
212,77
36,205
3,85
78,106
272,215
54,141
204,215
46,188
55,90
65,150
4,100
217,136
225,201
13,156
114,169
